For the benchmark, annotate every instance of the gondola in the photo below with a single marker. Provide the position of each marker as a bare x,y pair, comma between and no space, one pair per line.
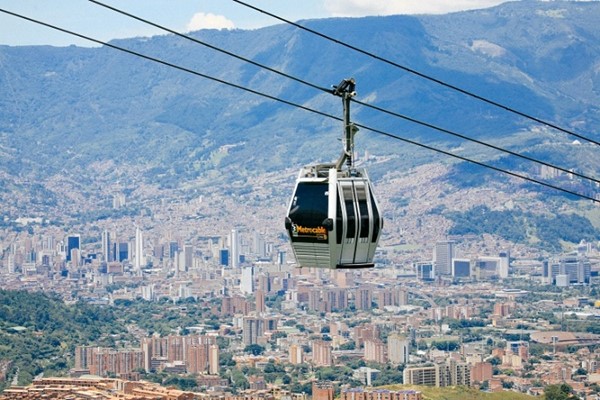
333,220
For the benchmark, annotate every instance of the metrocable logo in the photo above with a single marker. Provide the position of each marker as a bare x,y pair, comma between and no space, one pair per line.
319,232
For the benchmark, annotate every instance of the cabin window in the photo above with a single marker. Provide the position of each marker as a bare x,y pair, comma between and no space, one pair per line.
309,207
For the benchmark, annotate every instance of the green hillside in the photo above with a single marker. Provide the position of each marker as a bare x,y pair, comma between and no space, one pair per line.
461,393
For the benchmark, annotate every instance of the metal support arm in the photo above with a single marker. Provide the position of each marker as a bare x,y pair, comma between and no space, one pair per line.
346,91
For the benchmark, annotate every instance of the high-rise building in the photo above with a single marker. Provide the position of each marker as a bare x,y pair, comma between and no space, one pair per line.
10,263
488,267
213,359
255,327
49,243
425,271
197,358
173,249
570,268
148,292
442,256
546,273
158,250
118,200
461,268
106,247
247,280
398,349
379,394
375,351
75,257
321,351
234,242
188,254
336,298
426,376
224,257
322,391
400,296
104,361
84,356
139,249
481,372
296,354
123,251
502,309
365,332
281,257
265,282
385,297
314,300
260,247
73,242
503,268
578,268
175,348
260,301
154,348
440,375
363,298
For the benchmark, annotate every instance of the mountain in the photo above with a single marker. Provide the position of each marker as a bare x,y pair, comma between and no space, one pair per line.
80,119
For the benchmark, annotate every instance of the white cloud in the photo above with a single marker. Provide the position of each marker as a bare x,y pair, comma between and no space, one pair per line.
359,8
209,21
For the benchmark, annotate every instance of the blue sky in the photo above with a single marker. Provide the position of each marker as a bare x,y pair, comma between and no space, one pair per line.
92,20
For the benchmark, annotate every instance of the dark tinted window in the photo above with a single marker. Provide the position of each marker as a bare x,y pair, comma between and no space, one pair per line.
339,227
350,212
309,206
376,219
363,208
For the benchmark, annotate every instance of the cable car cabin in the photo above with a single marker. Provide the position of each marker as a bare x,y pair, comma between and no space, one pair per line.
333,219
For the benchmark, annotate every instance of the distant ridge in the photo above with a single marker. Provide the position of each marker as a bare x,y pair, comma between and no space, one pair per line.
62,110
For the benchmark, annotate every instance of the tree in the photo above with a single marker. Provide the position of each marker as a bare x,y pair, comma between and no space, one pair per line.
495,361
254,349
238,380
277,335
226,359
301,388
559,392
448,345
350,345
507,384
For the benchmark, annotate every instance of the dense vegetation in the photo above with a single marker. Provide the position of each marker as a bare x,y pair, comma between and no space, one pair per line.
39,332
464,393
559,392
547,231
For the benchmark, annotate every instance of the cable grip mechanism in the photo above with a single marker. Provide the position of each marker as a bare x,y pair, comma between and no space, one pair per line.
346,90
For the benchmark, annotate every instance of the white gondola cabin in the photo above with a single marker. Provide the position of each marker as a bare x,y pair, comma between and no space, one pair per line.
333,219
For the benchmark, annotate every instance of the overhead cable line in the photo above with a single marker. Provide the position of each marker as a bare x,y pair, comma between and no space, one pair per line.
449,132
482,164
290,103
314,86
210,46
421,74
166,63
